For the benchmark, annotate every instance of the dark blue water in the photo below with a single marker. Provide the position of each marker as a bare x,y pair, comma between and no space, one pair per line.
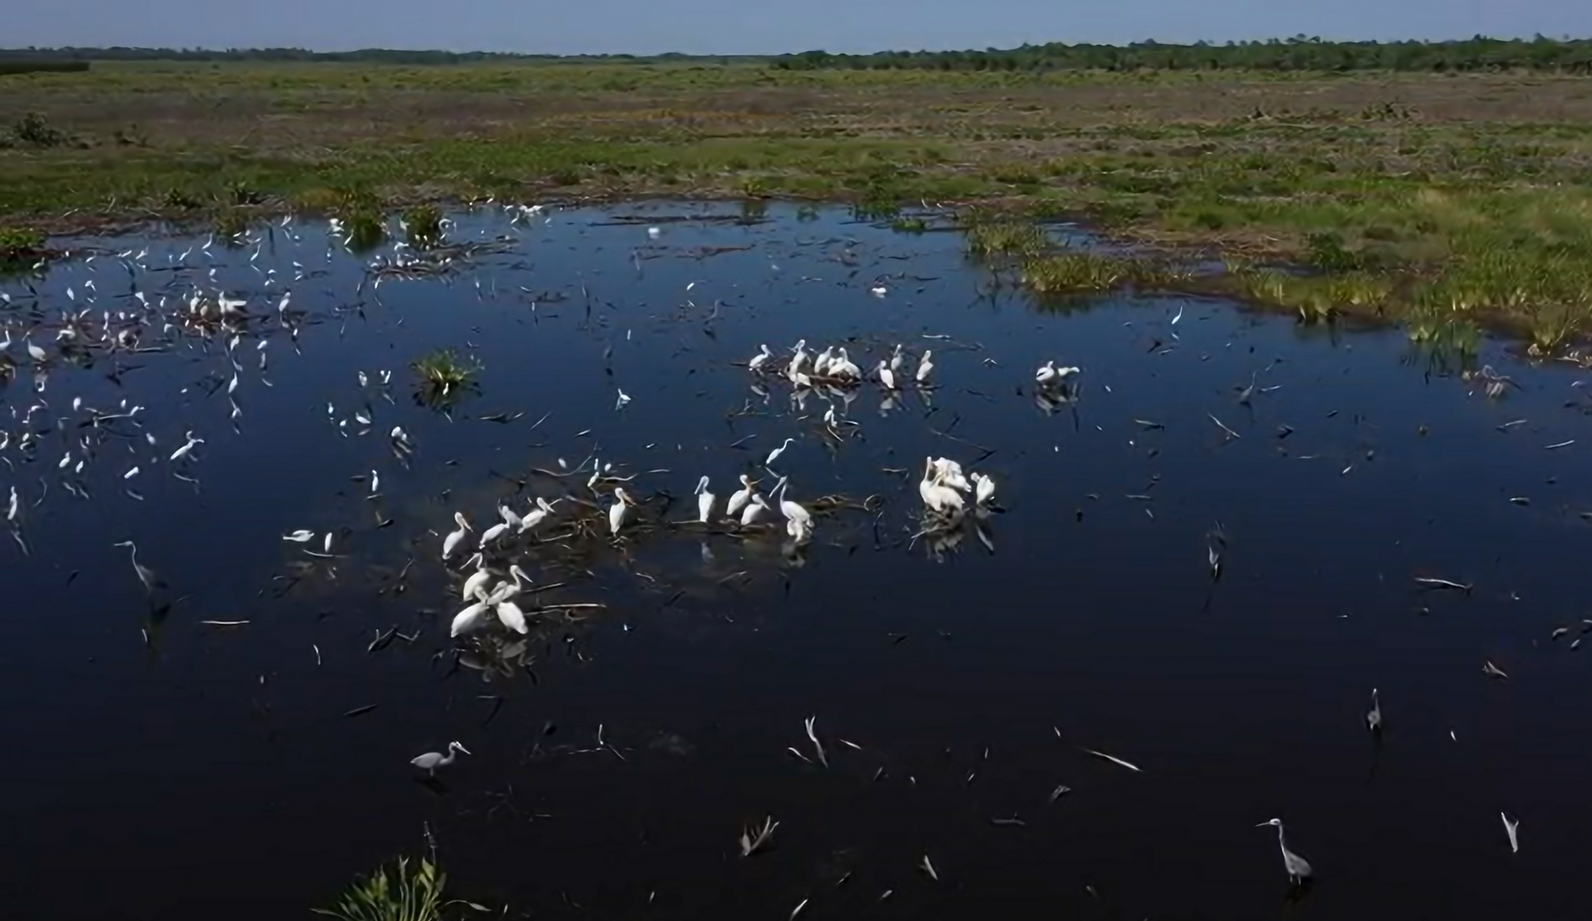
161,767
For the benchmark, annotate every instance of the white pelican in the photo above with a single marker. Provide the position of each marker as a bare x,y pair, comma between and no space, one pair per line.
949,473
896,359
536,516
938,497
704,501
844,367
759,359
756,507
821,363
984,488
740,497
475,583
925,366
450,542
1046,374
617,511
493,533
886,376
466,619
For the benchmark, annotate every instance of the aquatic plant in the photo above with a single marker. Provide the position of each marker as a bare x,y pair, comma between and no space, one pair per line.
232,223
400,893
1005,238
423,223
363,230
445,369
20,248
1084,271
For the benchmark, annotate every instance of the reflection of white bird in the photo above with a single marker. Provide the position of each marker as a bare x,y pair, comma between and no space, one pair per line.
774,454
704,501
617,511
430,761
760,359
740,497
1298,868
925,366
451,542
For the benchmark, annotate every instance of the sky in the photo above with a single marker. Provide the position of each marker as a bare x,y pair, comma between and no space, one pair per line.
753,27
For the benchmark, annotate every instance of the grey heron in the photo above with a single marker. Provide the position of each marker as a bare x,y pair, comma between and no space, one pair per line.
1298,868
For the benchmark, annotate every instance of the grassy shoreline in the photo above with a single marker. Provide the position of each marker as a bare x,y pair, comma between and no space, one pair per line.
1398,194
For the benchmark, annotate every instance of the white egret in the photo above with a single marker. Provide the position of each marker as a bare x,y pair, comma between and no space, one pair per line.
886,376
451,542
301,536
623,399
704,501
984,488
1373,719
774,454
430,761
760,359
754,509
800,520
925,366
1298,868
183,451
738,499
617,511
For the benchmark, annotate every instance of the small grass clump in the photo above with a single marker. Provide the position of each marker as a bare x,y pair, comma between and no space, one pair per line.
423,224
20,248
988,238
402,893
444,378
1072,272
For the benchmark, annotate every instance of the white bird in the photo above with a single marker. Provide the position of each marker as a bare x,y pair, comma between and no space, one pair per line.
508,612
704,501
1510,828
754,509
886,376
896,359
774,454
797,359
844,367
451,542
879,290
925,366
800,520
327,544
949,473
1298,868
430,761
375,483
984,488
536,516
940,498
738,499
301,536
476,583
760,359
821,363
623,399
465,620
617,511
654,232
493,533
1046,373
510,518
37,353
182,451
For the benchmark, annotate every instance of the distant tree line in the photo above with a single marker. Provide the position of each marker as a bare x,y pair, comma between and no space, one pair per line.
1299,53
1294,54
361,56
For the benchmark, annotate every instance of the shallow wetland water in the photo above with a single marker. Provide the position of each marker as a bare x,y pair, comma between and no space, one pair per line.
162,766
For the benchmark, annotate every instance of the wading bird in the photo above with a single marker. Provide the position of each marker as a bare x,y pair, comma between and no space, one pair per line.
1298,868
760,359
451,542
145,574
430,761
618,511
886,376
704,501
1373,719
774,454
925,366
740,497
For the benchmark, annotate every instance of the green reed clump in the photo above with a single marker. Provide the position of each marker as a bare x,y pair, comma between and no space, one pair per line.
1079,271
364,230
401,893
423,223
232,223
446,370
20,248
1006,238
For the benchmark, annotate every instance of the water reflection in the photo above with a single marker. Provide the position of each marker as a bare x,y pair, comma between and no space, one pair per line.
1207,543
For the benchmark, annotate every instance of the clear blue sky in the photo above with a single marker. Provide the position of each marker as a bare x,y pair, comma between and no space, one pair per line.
757,27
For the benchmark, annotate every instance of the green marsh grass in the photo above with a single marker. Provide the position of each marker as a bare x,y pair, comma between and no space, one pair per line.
423,224
403,892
